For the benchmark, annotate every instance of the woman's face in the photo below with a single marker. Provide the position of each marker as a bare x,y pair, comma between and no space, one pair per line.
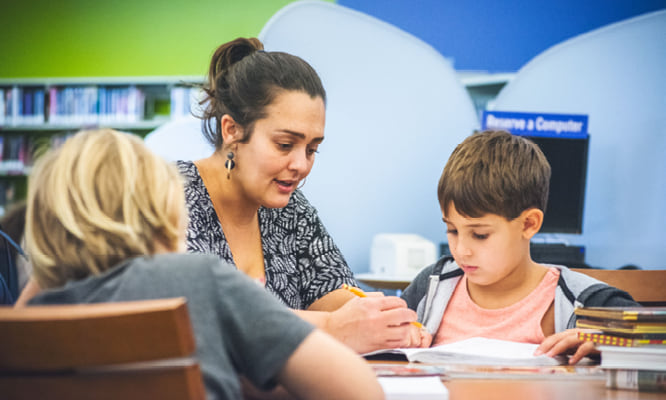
281,149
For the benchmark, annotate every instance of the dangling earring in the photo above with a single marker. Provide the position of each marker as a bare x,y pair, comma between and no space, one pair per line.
230,164
302,183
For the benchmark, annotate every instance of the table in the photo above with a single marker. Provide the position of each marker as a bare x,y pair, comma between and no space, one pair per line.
540,389
383,281
503,385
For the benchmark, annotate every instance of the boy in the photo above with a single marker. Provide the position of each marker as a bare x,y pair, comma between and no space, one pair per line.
105,217
493,194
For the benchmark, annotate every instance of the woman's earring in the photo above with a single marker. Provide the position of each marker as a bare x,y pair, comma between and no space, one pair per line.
302,183
230,164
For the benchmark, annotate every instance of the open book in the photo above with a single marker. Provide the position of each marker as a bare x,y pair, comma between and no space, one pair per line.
478,351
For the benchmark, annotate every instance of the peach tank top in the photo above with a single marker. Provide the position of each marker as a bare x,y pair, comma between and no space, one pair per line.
519,322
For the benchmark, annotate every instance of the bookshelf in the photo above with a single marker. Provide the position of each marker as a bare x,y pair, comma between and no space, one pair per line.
40,113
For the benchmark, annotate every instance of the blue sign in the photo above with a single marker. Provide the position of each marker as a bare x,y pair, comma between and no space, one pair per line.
569,126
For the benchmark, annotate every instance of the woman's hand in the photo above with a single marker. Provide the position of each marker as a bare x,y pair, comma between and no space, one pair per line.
372,323
566,341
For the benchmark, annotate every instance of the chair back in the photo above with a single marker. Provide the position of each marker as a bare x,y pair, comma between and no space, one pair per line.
645,286
131,350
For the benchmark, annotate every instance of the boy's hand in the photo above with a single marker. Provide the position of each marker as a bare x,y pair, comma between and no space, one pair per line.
565,341
419,337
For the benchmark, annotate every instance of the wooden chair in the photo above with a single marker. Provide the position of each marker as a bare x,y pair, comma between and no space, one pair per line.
133,350
647,287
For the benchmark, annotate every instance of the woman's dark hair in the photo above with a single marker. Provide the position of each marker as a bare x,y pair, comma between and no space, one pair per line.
243,79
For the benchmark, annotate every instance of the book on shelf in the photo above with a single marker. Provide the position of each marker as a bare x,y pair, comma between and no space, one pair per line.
7,194
3,108
22,105
614,340
477,350
92,104
14,155
185,101
656,314
636,379
648,357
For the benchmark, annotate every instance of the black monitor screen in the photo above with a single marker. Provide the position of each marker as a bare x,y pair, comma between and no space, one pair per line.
566,197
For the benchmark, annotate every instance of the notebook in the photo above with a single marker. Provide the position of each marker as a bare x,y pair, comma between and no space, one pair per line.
647,357
654,314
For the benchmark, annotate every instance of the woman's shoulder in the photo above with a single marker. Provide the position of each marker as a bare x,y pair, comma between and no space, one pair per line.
187,169
196,194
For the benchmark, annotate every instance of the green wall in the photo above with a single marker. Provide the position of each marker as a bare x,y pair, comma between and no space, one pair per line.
70,38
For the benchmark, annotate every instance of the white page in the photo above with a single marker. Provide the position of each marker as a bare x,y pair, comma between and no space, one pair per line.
481,351
415,387
492,348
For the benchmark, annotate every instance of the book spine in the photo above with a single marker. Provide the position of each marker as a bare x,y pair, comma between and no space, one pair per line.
611,340
640,380
3,111
39,106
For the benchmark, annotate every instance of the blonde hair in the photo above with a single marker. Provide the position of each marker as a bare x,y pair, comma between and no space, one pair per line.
99,199
495,172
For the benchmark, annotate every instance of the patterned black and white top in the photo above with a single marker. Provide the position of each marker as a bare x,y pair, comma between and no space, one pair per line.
301,261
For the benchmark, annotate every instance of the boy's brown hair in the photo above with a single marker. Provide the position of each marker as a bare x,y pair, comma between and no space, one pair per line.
495,172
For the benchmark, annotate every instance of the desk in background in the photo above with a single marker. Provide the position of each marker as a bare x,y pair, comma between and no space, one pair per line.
645,286
383,281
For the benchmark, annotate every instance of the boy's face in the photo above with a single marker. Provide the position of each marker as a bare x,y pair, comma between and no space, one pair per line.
489,248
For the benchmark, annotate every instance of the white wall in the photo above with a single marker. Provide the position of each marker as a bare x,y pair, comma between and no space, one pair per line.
617,76
395,112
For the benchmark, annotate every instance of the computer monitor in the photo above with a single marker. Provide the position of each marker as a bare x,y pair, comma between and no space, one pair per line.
564,140
566,196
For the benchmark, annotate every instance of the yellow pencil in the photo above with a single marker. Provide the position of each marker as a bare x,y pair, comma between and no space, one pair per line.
417,324
360,293
357,291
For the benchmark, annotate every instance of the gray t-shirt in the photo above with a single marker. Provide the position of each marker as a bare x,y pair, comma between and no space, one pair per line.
239,327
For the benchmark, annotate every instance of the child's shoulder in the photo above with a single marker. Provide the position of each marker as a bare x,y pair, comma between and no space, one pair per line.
445,268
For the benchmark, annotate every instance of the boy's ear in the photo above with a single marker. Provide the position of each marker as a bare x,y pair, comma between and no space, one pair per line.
532,220
231,131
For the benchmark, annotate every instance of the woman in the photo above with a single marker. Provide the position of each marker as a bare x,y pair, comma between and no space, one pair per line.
265,115
105,217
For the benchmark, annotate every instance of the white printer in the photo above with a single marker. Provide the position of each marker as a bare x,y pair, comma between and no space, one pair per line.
400,254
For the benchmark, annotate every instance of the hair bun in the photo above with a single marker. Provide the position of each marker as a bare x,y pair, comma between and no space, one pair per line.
230,53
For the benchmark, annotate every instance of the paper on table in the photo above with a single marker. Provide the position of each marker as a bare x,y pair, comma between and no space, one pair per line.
479,351
421,388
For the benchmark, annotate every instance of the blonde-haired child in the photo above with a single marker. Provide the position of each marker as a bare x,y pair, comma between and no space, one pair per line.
493,193
105,220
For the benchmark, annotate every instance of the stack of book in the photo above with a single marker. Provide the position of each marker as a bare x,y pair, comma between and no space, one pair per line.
632,342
